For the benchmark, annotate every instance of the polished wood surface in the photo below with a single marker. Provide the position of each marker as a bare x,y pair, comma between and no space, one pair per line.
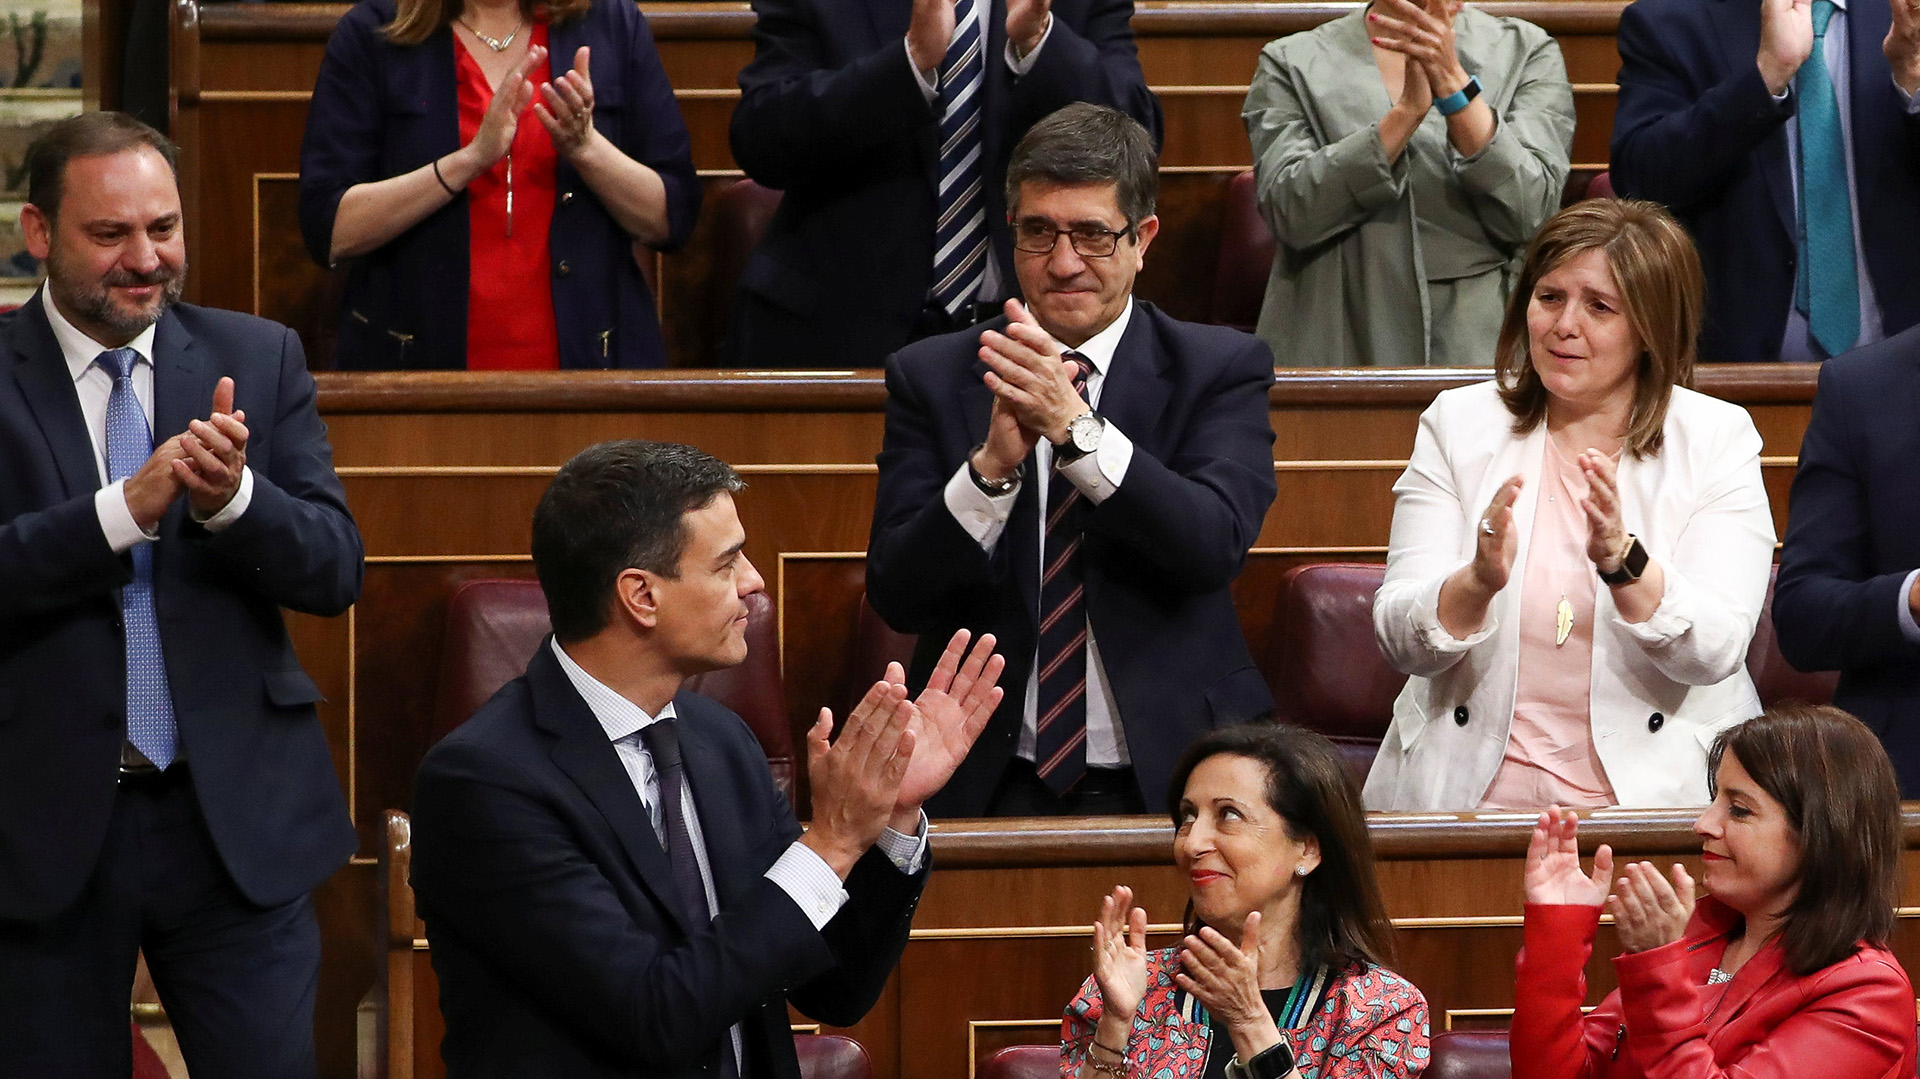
1000,940
243,74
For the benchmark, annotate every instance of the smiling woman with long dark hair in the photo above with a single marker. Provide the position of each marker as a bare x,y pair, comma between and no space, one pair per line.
1281,969
1783,970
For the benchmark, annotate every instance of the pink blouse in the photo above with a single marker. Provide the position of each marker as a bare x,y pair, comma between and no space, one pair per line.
1550,759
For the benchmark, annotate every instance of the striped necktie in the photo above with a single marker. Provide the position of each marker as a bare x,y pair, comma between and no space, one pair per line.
150,722
1060,717
1827,287
960,234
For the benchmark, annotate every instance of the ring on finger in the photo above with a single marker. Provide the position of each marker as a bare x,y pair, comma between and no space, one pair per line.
1486,525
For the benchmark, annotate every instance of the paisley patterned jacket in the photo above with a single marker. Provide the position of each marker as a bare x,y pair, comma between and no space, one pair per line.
1365,1022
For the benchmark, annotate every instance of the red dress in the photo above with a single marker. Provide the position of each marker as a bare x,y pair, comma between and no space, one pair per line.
510,323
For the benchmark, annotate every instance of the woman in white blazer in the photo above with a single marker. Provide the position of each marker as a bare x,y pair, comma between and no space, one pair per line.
1580,547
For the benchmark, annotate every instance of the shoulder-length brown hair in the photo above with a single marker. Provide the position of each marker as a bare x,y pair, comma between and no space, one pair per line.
414,21
1833,778
1342,918
1658,273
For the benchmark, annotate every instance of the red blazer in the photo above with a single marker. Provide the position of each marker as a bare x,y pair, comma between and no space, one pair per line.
1852,1020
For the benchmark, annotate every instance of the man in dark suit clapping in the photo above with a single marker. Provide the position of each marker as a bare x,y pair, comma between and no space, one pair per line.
168,488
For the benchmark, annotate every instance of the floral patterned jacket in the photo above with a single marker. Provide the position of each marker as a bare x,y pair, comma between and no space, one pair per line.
1365,1022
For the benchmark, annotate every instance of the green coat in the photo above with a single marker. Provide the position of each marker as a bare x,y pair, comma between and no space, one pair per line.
1409,263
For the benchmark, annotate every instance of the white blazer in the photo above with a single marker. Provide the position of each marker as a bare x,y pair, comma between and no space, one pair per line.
1661,689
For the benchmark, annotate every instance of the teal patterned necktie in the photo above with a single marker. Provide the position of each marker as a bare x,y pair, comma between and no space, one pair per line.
1827,288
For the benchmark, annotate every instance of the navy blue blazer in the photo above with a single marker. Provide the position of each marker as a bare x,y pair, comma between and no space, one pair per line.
561,945
1160,553
381,109
831,114
260,762
1853,535
1696,129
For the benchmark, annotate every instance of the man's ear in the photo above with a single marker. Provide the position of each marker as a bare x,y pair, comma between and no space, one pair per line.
36,229
635,599
1144,231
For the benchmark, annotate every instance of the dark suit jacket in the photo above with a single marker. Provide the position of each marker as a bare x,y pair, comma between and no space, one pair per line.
1697,130
560,943
381,109
1159,555
1853,535
259,760
831,114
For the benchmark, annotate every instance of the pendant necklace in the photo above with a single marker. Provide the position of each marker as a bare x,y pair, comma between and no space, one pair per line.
1564,612
497,44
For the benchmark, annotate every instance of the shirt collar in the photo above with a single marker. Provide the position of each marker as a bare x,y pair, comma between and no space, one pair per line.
1099,348
80,350
618,716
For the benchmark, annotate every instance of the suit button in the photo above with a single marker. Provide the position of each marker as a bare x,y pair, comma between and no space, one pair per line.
562,268
1656,721
1460,715
566,197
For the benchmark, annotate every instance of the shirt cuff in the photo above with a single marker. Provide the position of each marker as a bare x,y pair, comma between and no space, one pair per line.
908,853
928,89
984,516
1911,102
1021,65
1908,628
116,520
812,883
1425,617
1099,474
235,506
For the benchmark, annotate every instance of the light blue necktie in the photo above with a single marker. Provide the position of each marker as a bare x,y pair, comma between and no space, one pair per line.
150,725
960,234
1827,288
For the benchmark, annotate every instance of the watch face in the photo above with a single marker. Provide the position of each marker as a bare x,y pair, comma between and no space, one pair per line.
1084,432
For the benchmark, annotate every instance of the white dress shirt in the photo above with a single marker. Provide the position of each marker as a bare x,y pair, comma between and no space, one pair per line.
1797,347
991,285
1098,475
94,385
799,872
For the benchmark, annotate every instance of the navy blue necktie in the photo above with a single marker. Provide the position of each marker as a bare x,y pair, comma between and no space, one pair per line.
150,722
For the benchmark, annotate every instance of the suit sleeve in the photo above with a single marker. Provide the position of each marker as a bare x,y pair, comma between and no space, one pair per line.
296,544
1096,62
1672,143
800,120
1309,191
1516,180
866,938
924,571
54,557
1194,515
496,866
656,133
1550,1038
1855,1019
345,126
1830,610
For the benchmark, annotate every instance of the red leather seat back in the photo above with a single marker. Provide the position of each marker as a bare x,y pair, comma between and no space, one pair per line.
1470,1054
832,1056
1023,1062
738,214
1246,258
1601,186
494,626
875,644
1773,677
1325,670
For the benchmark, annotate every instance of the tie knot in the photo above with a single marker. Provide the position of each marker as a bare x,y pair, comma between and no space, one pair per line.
1083,370
118,362
662,739
1822,14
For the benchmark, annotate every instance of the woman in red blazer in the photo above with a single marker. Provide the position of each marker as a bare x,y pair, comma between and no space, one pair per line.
1783,971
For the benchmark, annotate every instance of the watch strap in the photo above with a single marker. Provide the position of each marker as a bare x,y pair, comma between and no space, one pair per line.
1632,564
1273,1062
988,487
1460,98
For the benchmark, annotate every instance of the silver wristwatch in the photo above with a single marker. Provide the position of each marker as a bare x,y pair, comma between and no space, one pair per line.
1083,437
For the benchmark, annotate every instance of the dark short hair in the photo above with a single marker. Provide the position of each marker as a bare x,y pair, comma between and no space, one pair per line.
1342,918
90,134
1654,263
617,506
1089,144
1832,776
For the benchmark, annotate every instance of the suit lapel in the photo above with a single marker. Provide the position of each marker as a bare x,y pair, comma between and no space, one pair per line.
1135,390
713,797
1739,42
41,371
183,381
584,754
1872,97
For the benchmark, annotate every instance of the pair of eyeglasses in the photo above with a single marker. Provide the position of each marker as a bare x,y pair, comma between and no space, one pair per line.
1088,241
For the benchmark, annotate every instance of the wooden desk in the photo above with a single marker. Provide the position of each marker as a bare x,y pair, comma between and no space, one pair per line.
1000,940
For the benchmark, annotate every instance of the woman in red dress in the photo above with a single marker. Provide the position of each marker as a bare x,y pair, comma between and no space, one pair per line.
1783,971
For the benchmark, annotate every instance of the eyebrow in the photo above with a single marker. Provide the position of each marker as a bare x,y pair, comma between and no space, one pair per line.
1088,222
